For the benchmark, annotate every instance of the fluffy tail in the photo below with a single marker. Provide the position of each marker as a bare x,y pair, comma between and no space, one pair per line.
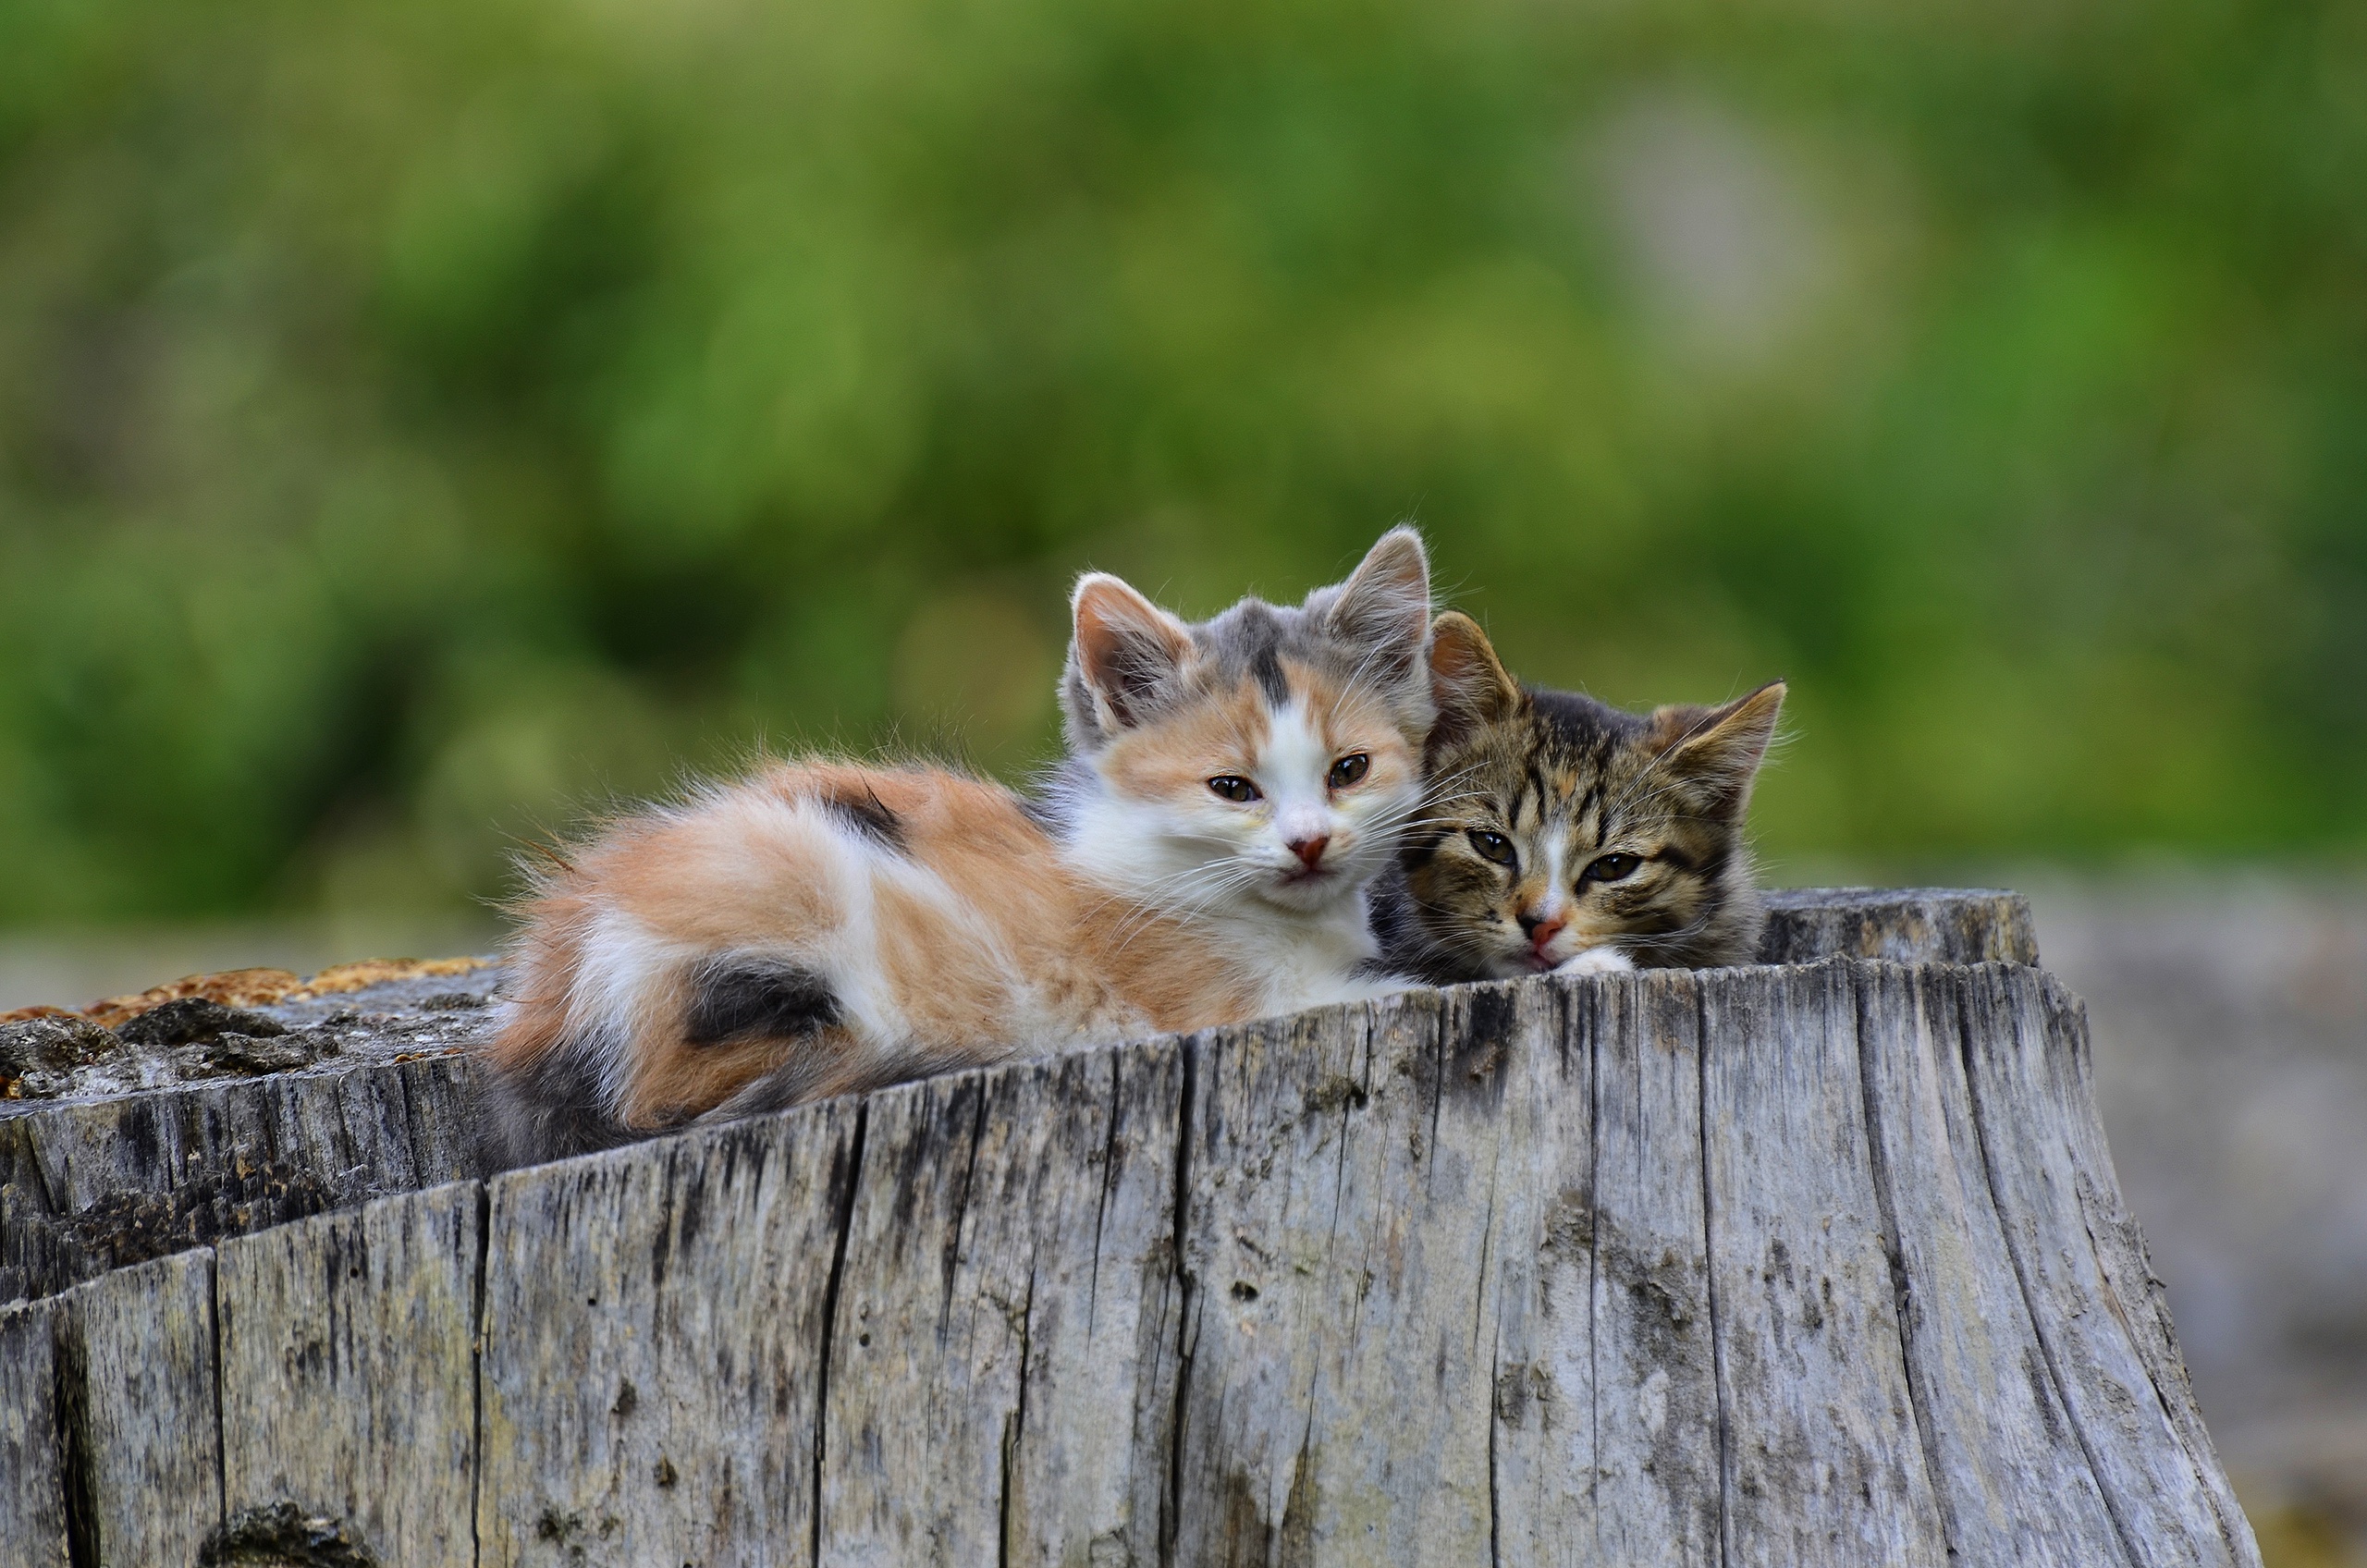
684,954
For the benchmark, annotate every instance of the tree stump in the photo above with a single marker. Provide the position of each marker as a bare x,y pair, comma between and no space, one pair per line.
1816,1263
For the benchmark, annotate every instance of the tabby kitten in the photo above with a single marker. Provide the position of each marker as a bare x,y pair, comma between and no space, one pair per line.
1233,788
1561,833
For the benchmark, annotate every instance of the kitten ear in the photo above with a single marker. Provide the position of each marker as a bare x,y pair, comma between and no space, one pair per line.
1720,747
1385,603
1468,681
1124,649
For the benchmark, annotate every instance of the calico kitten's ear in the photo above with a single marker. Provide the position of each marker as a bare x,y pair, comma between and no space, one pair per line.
1124,649
1385,603
1468,681
1720,747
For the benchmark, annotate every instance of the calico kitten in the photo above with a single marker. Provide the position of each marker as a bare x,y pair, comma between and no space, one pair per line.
1561,833
1234,787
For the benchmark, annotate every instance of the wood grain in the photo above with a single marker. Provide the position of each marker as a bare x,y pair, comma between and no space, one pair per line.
33,1464
1823,1458
142,1412
654,1361
1542,1366
2092,1305
348,1374
1899,926
98,1185
1005,1311
1992,1424
1339,1242
1659,1425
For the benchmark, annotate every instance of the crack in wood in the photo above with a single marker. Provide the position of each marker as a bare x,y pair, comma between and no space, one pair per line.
1171,1511
2124,1538
1893,1253
846,1196
1709,1280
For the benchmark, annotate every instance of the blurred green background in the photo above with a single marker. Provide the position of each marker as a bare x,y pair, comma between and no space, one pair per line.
422,421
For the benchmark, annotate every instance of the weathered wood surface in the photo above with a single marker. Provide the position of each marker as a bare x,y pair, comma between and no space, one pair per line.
1902,924
100,1183
32,1457
144,1397
655,1336
347,1381
118,1459
1820,1264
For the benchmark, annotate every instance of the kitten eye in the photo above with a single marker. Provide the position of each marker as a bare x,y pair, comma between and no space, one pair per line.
1491,845
1348,769
1612,868
1235,788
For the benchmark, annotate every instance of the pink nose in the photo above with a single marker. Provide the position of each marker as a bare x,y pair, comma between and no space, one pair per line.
1542,931
1310,851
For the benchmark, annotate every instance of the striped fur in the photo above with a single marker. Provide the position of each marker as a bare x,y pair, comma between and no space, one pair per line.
820,927
1562,833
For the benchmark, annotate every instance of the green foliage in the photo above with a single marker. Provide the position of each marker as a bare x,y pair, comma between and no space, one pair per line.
424,420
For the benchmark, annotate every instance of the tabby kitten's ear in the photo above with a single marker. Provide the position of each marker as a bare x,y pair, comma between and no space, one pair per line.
1720,748
1385,604
1125,648
1468,681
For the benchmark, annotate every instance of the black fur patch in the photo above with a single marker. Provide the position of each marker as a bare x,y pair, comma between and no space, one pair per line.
734,997
1257,642
550,1110
1268,668
869,815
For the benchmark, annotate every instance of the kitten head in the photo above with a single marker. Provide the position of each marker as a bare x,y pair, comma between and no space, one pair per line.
1271,754
1556,825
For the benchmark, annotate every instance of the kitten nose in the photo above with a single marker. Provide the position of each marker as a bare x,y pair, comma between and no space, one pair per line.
1310,851
1541,932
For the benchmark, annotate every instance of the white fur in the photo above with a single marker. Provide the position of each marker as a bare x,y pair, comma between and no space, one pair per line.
621,959
1232,865
851,958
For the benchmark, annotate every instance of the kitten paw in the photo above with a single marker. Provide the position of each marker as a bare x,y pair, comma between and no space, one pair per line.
1598,961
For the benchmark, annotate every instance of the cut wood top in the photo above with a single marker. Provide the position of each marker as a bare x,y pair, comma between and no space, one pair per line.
1903,925
230,1027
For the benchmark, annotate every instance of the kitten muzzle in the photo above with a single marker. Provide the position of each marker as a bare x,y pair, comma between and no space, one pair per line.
1540,931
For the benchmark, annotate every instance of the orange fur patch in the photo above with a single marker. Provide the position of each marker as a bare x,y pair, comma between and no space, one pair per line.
1220,734
987,930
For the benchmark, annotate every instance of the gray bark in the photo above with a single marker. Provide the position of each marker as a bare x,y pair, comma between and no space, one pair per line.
1810,1264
